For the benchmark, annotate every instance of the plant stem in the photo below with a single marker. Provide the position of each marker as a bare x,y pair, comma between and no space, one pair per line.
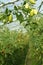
2,5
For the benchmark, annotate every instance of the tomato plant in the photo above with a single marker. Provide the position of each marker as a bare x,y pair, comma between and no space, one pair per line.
23,46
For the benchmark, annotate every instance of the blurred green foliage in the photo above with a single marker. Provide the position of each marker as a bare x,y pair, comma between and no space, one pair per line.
17,48
13,47
35,53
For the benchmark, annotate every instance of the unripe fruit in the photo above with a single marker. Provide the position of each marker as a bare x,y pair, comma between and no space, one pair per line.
32,1
33,12
27,6
10,17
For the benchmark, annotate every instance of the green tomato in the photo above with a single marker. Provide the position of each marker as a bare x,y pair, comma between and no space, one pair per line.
10,18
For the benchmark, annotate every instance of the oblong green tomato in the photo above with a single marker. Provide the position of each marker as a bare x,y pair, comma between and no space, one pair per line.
10,18
32,12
